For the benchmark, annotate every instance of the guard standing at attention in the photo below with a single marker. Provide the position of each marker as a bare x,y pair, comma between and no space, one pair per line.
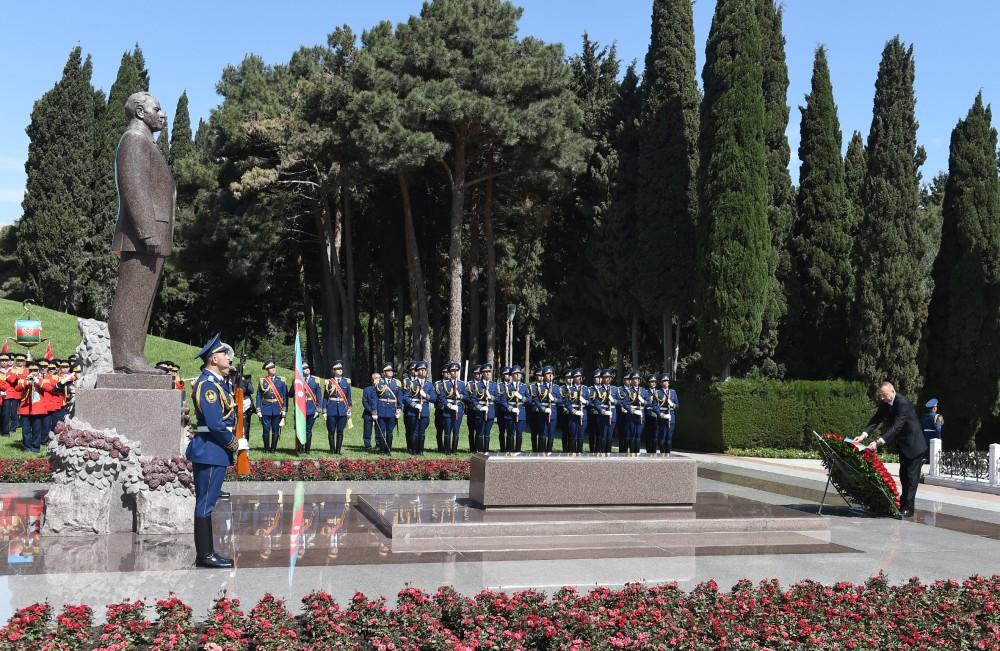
337,401
272,396
451,402
311,388
213,447
418,394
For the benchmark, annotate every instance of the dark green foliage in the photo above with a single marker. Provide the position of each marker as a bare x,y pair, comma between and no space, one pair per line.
768,413
892,297
855,169
734,242
59,196
668,162
823,243
181,143
163,142
780,208
963,365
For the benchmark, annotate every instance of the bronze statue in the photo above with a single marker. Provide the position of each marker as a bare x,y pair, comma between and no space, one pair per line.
144,234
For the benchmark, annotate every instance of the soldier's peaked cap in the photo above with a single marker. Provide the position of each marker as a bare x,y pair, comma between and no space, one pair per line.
214,345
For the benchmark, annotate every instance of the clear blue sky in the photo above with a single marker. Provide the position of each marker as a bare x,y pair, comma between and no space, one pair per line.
187,43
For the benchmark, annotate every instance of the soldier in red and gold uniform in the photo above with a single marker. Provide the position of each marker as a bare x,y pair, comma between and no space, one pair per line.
13,392
36,388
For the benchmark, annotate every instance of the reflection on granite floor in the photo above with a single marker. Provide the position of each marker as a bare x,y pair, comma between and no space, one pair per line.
284,530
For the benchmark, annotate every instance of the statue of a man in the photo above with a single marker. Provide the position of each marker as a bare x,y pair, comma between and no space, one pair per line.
144,234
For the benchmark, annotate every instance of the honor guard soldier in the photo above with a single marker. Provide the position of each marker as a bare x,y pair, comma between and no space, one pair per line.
15,391
213,447
932,422
652,414
530,408
514,396
32,410
409,424
604,411
472,415
501,408
272,396
369,406
636,400
313,406
438,412
418,395
386,408
484,400
592,421
546,405
175,370
65,389
666,405
451,402
337,401
6,363
576,397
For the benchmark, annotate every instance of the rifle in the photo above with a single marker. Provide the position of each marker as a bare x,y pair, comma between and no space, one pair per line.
242,458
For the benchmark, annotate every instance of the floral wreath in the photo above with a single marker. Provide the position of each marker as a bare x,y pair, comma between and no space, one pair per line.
859,475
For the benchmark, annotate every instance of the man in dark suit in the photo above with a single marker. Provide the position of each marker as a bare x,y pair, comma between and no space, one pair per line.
903,426
144,233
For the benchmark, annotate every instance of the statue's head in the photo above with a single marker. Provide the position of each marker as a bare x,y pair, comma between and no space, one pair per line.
144,107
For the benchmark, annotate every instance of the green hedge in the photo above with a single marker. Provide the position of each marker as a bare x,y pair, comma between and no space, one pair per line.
767,413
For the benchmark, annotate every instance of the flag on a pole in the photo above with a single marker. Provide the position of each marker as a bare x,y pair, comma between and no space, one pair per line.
6,347
295,541
48,351
300,393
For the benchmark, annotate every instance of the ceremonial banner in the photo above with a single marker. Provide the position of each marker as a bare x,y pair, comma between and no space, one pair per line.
300,394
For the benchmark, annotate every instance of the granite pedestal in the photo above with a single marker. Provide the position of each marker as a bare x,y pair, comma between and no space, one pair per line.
144,408
587,480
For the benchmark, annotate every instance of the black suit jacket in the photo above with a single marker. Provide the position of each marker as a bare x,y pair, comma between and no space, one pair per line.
903,427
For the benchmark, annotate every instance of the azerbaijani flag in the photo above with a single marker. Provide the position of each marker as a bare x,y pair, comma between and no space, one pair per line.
300,394
295,534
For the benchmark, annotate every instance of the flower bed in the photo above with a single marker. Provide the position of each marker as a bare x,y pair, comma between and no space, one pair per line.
807,615
17,471
858,472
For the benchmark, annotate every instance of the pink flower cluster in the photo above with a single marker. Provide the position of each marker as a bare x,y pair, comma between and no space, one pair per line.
355,469
78,438
808,615
159,471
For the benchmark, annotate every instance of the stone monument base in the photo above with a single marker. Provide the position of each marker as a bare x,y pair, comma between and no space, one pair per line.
582,480
145,408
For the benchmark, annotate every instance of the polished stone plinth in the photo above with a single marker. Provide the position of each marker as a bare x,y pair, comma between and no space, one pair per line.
433,522
144,408
581,480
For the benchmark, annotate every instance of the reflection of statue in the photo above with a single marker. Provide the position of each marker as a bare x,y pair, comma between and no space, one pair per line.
144,234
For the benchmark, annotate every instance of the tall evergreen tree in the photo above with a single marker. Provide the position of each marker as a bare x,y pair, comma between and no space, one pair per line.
734,242
891,297
667,201
181,143
59,193
963,365
781,197
163,142
855,169
823,240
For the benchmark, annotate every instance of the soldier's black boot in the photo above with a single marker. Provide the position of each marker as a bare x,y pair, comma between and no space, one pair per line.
340,441
204,545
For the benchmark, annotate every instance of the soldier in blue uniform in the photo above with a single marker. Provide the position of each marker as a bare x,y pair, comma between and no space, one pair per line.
272,400
652,415
337,404
409,424
369,405
546,406
418,394
604,403
514,396
532,414
472,415
484,394
213,446
667,405
932,422
451,402
636,399
387,407
314,405
501,407
438,412
576,398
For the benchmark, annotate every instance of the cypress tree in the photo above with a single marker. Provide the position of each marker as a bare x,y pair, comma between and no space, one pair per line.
668,164
963,365
855,169
780,213
163,142
734,242
181,143
891,297
59,192
822,244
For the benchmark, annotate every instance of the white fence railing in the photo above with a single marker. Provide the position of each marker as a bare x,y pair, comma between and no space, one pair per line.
972,468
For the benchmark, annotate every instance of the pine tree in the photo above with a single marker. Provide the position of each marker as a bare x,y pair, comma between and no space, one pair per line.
780,213
59,193
181,143
891,297
668,162
963,365
823,241
734,242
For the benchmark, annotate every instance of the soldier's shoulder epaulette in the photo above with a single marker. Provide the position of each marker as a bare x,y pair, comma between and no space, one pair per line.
348,380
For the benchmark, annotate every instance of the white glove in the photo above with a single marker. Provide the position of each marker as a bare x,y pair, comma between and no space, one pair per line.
246,404
672,405
281,423
454,408
517,394
242,444
398,413
348,413
547,410
584,401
